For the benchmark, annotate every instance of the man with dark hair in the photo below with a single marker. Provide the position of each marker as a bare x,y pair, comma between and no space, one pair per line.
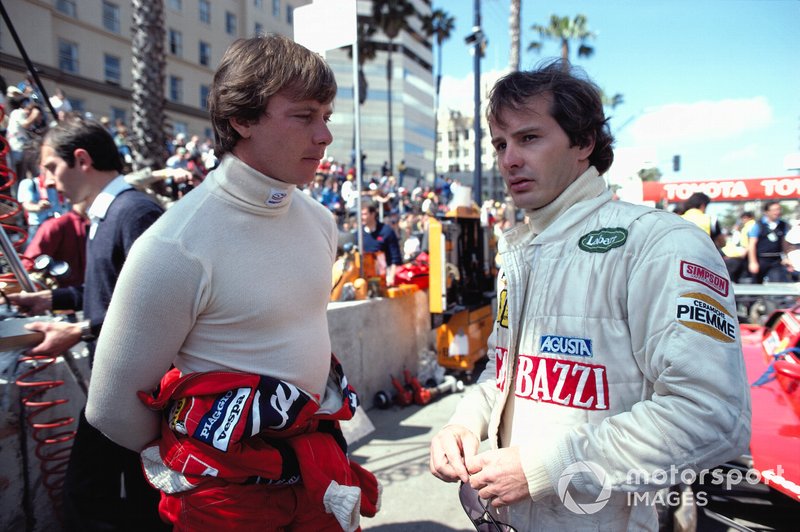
231,287
593,383
380,237
104,487
695,211
767,246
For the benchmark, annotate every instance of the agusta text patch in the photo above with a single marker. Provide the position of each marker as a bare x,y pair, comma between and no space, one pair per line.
706,315
565,345
603,240
699,274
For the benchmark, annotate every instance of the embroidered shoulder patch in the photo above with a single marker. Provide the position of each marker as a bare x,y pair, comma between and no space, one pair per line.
704,276
602,240
706,315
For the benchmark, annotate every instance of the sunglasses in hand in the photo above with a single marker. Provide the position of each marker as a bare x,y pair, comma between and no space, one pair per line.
478,511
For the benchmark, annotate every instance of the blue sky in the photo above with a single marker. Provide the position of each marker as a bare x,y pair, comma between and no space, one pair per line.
716,81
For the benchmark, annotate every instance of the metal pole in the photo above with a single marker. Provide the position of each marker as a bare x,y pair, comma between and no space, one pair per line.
476,187
357,140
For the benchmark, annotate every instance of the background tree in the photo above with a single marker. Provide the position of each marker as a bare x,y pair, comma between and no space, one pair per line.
367,51
564,30
514,16
391,16
438,24
147,124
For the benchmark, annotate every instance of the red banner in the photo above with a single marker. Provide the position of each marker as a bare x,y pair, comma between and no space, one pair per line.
760,188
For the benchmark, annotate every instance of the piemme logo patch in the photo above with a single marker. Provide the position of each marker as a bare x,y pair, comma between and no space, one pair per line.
706,315
603,240
565,345
704,276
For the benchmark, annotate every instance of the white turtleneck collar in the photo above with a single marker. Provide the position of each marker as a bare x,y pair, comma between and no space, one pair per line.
250,188
588,185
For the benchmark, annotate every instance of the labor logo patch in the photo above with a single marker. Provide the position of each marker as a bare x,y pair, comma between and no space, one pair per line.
706,315
603,240
699,274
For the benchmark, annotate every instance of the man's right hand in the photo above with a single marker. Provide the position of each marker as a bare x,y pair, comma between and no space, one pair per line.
32,303
752,267
450,449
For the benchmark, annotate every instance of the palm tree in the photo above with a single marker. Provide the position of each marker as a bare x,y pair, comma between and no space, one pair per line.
147,123
391,16
440,24
565,30
367,51
514,16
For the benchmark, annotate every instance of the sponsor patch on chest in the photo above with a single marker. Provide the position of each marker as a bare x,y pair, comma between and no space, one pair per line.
706,315
699,274
603,240
562,382
565,345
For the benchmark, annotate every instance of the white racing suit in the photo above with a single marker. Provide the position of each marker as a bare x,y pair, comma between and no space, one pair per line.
616,355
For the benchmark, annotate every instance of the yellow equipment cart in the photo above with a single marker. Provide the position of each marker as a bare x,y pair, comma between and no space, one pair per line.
461,291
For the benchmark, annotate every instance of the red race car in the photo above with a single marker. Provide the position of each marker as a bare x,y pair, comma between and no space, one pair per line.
772,357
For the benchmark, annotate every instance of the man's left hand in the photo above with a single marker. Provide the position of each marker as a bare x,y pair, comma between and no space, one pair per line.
498,476
58,336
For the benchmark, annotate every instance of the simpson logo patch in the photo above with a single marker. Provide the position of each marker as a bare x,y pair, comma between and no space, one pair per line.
704,276
562,382
706,315
565,345
218,425
603,240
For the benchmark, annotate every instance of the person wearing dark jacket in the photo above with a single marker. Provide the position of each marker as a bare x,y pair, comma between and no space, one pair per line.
104,488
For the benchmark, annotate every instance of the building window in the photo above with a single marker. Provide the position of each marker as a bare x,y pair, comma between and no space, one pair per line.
258,29
67,7
205,53
258,3
276,8
175,88
230,23
112,69
175,42
175,5
289,14
111,17
180,127
118,113
205,11
78,105
68,56
204,96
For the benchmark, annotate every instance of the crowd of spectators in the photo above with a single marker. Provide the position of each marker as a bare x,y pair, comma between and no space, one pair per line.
188,159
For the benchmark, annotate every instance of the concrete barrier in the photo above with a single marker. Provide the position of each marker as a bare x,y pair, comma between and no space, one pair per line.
372,339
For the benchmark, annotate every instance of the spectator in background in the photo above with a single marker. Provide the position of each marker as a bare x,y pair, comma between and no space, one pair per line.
63,239
378,236
22,120
767,246
41,201
695,212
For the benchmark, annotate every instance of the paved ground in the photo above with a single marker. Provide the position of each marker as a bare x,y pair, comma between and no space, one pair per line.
397,452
